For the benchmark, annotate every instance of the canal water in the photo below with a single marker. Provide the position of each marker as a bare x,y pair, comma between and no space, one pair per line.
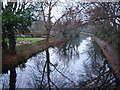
71,65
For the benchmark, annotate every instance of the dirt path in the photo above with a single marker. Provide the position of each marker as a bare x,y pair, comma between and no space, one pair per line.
111,54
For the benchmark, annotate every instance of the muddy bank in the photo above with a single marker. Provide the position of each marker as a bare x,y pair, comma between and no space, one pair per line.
12,61
112,56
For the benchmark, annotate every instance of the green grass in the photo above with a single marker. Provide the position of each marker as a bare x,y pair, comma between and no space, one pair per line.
33,40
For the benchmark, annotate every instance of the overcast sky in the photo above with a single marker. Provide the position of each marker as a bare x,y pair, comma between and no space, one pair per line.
57,11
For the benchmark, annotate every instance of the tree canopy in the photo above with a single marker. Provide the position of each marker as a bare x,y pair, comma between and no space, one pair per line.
15,20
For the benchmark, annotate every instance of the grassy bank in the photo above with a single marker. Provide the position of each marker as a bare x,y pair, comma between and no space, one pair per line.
24,47
24,52
33,40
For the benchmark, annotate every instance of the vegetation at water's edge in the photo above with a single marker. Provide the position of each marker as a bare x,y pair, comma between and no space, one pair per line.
33,40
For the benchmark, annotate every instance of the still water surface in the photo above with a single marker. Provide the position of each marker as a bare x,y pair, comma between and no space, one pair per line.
69,64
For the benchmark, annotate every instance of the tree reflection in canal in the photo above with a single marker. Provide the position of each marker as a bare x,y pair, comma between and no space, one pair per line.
78,63
63,73
98,73
69,51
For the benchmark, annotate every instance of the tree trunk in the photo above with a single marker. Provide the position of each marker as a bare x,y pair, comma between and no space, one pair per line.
12,43
12,83
48,68
48,27
4,46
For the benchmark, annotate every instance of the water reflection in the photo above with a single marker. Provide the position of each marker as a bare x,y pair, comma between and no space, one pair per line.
5,80
73,65
98,73
72,69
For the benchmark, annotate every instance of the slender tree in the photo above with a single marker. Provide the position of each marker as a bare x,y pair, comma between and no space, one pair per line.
15,20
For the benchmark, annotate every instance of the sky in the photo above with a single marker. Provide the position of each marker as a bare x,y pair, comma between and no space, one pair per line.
57,11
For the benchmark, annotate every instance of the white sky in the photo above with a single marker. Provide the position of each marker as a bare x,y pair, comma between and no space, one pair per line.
57,11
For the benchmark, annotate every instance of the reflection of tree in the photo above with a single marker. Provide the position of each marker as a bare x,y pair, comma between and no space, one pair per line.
49,5
70,48
98,72
38,74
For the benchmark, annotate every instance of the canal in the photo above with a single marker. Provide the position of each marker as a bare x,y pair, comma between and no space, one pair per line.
78,63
